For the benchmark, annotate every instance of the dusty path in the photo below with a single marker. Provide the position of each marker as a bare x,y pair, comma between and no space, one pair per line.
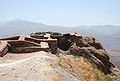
37,66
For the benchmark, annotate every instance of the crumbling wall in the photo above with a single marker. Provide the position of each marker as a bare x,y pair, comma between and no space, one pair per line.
11,38
3,48
22,46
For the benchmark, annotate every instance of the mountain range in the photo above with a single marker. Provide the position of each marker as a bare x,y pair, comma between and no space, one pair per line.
109,35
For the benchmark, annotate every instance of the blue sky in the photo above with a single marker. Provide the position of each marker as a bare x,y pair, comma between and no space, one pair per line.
62,12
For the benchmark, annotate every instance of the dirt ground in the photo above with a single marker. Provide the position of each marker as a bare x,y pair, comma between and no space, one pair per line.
37,66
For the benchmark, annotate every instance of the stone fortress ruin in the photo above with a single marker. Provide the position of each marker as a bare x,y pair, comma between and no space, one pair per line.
26,44
72,43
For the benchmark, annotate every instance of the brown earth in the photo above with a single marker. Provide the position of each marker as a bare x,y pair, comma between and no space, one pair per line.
36,66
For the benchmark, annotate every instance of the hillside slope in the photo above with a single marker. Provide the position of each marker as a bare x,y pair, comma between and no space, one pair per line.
37,66
43,66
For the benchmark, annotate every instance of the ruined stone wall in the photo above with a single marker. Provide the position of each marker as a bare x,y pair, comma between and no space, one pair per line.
21,46
3,48
11,38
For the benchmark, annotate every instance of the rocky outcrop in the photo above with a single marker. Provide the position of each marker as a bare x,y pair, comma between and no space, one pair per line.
87,47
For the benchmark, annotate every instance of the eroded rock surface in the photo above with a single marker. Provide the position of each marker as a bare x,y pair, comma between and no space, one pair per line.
87,47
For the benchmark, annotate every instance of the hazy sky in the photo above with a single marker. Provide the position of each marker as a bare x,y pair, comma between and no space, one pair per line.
62,12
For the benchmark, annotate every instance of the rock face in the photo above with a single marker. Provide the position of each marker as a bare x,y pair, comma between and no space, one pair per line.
87,47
